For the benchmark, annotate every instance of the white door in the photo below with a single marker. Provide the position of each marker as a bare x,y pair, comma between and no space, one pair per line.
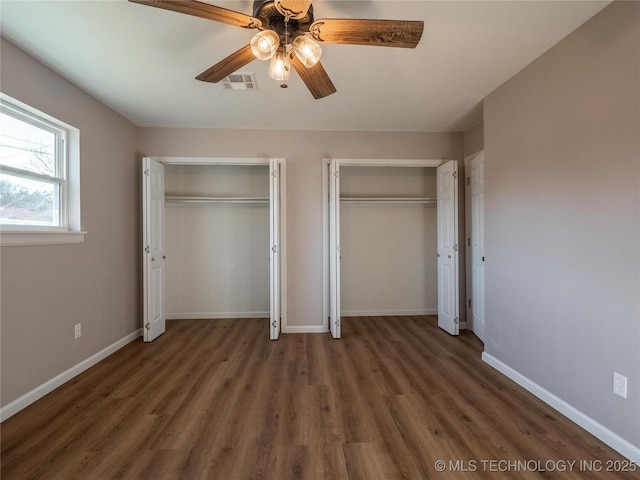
274,254
334,248
153,245
476,175
448,291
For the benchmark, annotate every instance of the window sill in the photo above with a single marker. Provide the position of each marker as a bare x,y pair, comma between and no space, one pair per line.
12,239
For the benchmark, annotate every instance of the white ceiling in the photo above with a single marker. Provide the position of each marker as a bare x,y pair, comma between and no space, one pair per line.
141,61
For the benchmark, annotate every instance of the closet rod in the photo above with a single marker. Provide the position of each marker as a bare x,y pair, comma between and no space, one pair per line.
237,200
400,200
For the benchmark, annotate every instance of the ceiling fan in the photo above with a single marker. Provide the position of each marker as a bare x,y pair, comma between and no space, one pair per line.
289,35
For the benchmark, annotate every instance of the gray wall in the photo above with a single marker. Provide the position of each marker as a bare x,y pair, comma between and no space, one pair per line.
562,146
304,151
473,139
48,289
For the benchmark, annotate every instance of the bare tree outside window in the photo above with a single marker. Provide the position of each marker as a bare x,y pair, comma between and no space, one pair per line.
29,177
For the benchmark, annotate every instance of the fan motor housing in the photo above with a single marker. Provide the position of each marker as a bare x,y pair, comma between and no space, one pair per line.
268,14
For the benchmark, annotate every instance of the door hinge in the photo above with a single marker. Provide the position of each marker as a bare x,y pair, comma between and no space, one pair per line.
455,247
146,172
468,242
455,174
469,303
274,173
146,249
468,180
456,321
335,174
147,326
274,249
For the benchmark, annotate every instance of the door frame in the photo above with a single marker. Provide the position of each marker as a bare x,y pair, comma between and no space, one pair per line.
468,215
281,162
326,243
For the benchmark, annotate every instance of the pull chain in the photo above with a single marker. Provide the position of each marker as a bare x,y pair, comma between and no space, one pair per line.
286,65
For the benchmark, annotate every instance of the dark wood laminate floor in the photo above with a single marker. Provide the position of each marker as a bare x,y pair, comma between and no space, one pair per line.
216,400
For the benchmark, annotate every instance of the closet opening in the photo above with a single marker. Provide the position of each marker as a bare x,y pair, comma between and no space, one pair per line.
391,244
218,246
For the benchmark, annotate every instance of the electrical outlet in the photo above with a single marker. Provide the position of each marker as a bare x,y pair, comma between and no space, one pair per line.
619,384
78,330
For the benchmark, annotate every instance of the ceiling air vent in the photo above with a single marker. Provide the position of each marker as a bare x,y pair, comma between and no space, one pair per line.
240,81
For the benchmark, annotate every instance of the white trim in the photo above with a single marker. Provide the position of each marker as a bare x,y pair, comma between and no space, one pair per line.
213,160
37,393
40,177
389,162
467,236
12,239
304,329
598,430
463,241
283,243
216,315
326,164
388,313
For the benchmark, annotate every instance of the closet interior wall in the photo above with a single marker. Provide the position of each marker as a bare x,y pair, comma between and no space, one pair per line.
388,230
217,241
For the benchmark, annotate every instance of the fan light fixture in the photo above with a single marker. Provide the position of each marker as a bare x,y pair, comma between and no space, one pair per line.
280,66
307,51
265,44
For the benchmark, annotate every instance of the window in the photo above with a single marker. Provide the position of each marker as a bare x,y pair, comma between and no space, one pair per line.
39,184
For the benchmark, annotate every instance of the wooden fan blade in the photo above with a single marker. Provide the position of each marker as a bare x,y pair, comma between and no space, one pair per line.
377,33
315,78
227,66
204,10
295,9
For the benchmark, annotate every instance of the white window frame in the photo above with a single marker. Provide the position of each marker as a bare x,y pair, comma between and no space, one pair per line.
67,176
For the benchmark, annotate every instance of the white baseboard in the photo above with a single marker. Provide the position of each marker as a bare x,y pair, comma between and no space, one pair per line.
387,313
214,315
599,431
37,393
304,329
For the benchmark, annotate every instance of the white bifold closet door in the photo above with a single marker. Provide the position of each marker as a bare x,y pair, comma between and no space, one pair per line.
274,251
447,225
153,271
334,249
476,174
153,231
448,285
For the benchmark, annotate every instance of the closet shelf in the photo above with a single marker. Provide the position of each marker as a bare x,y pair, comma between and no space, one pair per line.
385,200
240,200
